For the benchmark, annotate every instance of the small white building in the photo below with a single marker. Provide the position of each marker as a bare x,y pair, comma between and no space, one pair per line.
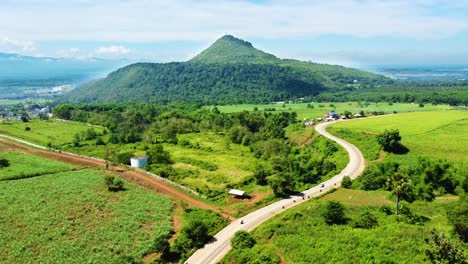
137,162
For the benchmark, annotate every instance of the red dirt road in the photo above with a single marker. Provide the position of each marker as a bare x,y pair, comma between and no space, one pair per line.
145,181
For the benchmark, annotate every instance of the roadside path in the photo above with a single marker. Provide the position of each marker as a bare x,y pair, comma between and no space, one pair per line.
221,244
133,176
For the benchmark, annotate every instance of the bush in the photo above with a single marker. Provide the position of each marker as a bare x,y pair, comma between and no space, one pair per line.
124,157
114,184
100,142
27,129
367,221
389,140
386,209
4,163
242,239
346,182
458,216
157,155
334,213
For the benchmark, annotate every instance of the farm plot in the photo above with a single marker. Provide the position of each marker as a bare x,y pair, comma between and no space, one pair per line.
71,217
24,166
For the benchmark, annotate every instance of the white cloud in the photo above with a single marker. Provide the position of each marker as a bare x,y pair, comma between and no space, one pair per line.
147,20
13,45
112,50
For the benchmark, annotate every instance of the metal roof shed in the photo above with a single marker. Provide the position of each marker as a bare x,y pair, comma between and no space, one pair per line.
237,192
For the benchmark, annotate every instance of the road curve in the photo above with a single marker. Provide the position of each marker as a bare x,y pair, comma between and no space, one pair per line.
214,251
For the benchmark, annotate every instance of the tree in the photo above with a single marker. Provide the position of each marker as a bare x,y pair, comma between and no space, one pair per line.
400,184
367,221
4,163
458,216
197,232
444,250
389,140
160,243
114,184
334,213
76,140
346,182
261,174
157,155
242,239
169,134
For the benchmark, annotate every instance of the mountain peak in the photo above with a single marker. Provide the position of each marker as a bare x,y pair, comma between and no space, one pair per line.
229,49
235,41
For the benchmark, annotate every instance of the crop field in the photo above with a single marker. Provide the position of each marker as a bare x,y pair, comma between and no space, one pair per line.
303,111
440,135
25,166
42,132
71,217
300,235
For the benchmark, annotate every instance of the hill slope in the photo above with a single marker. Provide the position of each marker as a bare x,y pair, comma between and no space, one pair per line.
229,71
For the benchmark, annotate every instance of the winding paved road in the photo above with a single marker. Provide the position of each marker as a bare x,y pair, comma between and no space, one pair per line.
213,252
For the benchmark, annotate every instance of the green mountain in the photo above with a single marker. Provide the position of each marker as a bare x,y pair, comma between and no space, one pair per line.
230,71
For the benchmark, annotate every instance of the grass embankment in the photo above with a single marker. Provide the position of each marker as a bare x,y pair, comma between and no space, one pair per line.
303,111
300,235
71,217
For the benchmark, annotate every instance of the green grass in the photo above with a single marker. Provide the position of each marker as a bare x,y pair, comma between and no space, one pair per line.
320,108
300,235
440,135
71,217
43,132
25,166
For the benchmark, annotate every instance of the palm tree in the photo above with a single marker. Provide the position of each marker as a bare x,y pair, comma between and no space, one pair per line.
400,184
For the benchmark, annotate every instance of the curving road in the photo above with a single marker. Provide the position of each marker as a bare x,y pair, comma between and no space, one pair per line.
221,244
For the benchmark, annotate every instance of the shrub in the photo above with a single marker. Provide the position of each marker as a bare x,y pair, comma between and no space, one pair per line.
157,155
346,182
100,142
458,216
334,213
114,184
242,239
124,157
4,163
367,221
27,129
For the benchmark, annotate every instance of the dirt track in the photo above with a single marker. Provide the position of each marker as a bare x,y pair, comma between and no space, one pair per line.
145,181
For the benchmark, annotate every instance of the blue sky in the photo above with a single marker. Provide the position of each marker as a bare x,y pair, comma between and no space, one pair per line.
348,32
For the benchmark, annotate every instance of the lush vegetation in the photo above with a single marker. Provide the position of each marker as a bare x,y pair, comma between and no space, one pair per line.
421,93
317,109
72,217
434,160
366,231
230,71
209,151
24,166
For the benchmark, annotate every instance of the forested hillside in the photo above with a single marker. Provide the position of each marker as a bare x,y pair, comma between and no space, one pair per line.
230,71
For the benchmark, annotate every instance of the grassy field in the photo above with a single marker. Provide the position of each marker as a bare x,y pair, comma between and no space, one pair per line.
25,166
300,235
303,111
440,135
55,132
71,217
